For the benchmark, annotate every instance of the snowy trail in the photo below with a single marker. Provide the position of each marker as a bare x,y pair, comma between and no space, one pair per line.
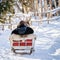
47,45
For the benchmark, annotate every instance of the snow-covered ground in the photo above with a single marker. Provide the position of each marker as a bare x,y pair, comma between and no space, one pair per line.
47,44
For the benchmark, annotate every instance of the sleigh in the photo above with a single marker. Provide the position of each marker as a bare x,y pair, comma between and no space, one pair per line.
22,44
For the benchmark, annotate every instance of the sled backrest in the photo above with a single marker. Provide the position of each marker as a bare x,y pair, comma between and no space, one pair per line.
27,42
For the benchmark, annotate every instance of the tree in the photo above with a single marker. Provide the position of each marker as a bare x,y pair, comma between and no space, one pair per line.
6,6
26,4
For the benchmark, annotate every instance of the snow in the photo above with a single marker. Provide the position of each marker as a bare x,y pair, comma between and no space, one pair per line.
53,11
47,44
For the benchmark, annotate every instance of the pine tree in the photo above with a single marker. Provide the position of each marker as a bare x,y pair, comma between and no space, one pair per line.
5,7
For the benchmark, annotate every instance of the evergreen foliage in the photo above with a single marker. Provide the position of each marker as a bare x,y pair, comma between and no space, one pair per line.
5,7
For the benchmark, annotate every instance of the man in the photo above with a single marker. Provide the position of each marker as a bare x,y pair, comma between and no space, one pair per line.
23,29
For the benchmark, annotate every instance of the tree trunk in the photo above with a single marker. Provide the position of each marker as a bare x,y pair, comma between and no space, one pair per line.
57,13
45,5
41,11
50,3
59,2
46,9
10,26
35,7
55,3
